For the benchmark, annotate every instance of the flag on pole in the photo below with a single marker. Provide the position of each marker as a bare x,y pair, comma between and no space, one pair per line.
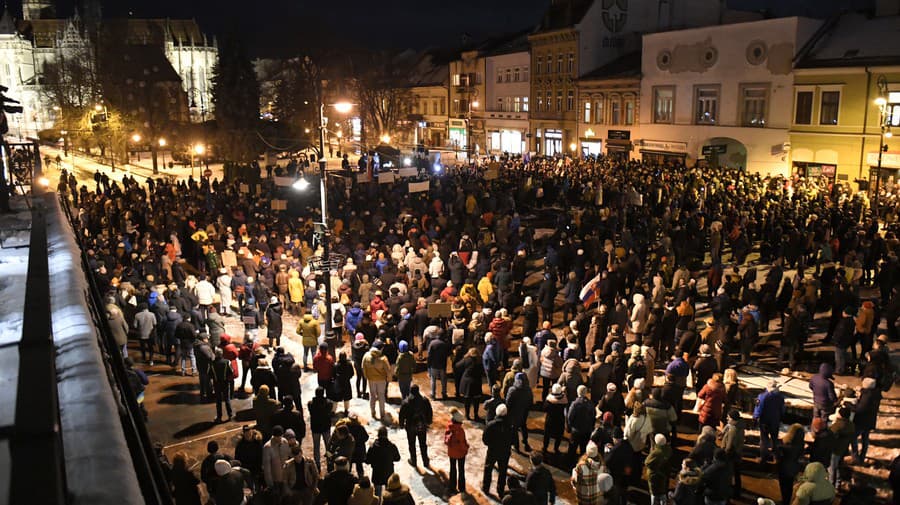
588,293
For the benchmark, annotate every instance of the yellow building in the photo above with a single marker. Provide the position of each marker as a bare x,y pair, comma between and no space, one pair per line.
847,99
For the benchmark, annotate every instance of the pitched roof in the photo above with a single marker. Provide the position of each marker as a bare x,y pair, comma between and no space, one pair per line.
853,40
147,63
625,66
563,14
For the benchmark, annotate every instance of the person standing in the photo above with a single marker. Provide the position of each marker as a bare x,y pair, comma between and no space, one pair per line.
824,396
275,453
337,486
223,384
358,350
711,401
844,339
404,369
815,488
320,422
540,481
716,478
323,364
769,410
205,356
381,456
360,437
867,407
586,477
301,478
844,431
273,322
343,375
145,324
788,456
416,416
248,451
733,445
551,367
308,329
580,420
470,383
438,353
498,437
519,400
184,482
555,417
457,449
377,370
657,468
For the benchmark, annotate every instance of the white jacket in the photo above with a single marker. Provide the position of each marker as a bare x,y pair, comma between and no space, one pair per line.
205,291
639,314
436,267
274,455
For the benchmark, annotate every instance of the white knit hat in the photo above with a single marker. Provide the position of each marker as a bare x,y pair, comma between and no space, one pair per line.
500,410
222,467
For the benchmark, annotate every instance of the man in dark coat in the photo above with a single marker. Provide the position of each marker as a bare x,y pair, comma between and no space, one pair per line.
580,420
287,418
822,386
768,413
204,355
223,384
438,354
249,451
337,486
546,297
519,399
273,322
540,481
381,456
498,437
416,416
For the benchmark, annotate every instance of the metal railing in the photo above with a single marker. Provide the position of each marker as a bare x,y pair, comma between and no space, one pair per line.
149,472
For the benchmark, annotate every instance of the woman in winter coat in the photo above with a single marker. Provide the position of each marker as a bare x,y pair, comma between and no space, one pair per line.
555,417
471,372
639,314
308,329
688,490
712,400
381,456
788,457
358,350
866,414
184,481
637,428
534,363
343,374
396,493
530,318
457,449
263,375
571,378
815,489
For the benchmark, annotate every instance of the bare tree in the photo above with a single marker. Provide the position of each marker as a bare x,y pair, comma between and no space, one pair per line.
383,96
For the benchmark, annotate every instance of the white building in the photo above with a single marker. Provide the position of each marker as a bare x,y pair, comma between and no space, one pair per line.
507,91
722,95
39,38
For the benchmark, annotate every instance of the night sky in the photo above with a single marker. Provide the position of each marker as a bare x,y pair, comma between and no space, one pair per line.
282,27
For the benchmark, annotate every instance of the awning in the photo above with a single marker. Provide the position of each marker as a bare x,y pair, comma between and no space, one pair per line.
664,153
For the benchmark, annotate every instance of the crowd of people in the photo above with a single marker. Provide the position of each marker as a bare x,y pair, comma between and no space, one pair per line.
573,289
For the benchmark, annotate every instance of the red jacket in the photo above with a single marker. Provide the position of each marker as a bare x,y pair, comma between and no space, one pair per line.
229,352
713,396
323,364
455,438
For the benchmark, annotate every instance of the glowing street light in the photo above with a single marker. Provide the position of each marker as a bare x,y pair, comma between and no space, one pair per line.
98,107
343,107
573,146
301,184
386,139
197,149
881,101
136,138
340,134
162,142
475,104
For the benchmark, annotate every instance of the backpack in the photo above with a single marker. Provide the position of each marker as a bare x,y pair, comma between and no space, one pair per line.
337,318
315,311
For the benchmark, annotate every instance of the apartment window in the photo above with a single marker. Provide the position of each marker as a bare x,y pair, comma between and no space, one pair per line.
549,68
549,101
804,107
570,100
508,75
615,111
516,74
587,112
559,101
893,108
706,104
456,80
570,66
434,107
456,109
443,106
500,104
517,104
540,98
663,104
499,75
559,61
598,112
754,104
540,61
629,112
829,108
525,74
524,104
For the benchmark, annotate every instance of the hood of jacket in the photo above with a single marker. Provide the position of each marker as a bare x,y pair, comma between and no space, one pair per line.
355,312
689,477
826,370
307,317
638,299
814,473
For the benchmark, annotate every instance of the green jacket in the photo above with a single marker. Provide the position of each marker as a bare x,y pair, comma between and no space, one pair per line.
406,366
657,467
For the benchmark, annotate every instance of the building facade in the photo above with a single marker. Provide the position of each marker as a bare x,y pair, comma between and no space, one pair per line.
507,99
465,124
576,37
846,88
29,44
608,107
721,95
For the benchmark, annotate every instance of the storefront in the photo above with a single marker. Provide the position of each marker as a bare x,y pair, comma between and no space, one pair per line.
814,170
591,147
889,173
553,142
618,144
507,141
656,152
458,133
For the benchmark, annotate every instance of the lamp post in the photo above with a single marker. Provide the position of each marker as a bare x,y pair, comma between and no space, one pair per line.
162,143
136,138
98,108
197,149
470,147
884,133
302,184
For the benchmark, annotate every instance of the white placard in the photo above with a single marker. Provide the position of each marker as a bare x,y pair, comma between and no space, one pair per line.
409,172
416,187
284,181
279,204
229,259
386,177
491,174
361,178
244,188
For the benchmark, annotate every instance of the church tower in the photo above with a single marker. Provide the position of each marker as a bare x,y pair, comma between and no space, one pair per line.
38,9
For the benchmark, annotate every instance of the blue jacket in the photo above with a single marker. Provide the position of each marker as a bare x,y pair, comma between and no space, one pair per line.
352,319
491,356
822,386
769,408
678,368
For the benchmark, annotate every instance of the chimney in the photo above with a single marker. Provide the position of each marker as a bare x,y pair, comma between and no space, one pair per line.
885,8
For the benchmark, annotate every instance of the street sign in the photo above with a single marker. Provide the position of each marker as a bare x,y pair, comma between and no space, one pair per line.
715,149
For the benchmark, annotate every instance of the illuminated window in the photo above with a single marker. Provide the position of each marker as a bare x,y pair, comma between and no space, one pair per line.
524,104
663,104
754,104
587,112
500,104
893,108
706,104
570,66
517,104
570,100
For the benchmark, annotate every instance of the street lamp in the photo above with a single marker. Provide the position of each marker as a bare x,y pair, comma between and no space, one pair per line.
64,133
136,138
162,143
197,149
885,132
385,139
302,184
